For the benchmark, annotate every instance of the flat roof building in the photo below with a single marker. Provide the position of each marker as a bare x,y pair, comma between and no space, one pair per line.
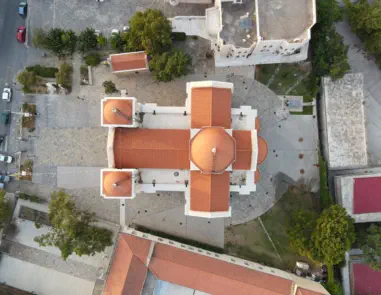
145,264
360,195
343,122
249,32
191,149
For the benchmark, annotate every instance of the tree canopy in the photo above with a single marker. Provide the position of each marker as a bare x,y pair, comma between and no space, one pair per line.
87,40
329,54
300,228
365,19
334,235
170,65
72,230
58,41
5,209
150,31
371,246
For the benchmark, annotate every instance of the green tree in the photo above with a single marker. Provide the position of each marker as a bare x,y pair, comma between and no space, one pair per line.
150,31
300,228
329,54
169,65
5,209
72,230
334,235
102,40
109,87
87,40
27,79
117,42
60,42
371,246
64,76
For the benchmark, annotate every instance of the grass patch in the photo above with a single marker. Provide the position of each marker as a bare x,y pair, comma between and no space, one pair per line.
250,241
179,239
84,75
29,122
45,72
286,77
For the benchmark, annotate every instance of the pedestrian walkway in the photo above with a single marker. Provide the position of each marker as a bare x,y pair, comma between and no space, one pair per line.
360,63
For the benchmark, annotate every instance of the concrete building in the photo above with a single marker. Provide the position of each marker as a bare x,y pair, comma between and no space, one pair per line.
343,122
206,149
250,32
129,62
360,195
146,264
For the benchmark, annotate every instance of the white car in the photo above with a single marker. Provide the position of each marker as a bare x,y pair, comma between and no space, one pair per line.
6,159
7,94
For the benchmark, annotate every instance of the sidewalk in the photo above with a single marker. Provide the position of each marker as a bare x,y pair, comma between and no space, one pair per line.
372,90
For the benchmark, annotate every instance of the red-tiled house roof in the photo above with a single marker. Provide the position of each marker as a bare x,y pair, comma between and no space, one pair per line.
151,148
209,192
195,271
211,106
130,61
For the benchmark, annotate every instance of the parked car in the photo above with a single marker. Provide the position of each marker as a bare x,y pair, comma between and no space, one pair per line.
1,185
21,34
23,9
4,178
7,94
5,117
6,159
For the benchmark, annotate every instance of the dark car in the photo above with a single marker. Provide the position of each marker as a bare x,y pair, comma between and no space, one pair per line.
21,33
23,9
5,117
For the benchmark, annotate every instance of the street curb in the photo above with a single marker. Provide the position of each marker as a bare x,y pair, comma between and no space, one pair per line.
27,26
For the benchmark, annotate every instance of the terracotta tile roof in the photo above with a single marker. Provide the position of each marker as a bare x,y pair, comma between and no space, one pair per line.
263,149
128,61
151,148
212,150
211,275
211,107
124,106
122,180
243,150
209,192
257,124
128,271
257,175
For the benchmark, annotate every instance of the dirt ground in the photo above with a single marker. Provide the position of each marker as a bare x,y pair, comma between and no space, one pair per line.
250,241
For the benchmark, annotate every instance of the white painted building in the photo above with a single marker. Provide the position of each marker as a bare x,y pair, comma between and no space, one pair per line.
250,32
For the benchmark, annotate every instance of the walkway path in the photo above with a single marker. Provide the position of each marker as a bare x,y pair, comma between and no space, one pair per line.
372,89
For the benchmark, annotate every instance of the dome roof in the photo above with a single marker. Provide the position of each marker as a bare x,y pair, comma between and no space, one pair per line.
212,150
122,115
117,184
257,175
262,150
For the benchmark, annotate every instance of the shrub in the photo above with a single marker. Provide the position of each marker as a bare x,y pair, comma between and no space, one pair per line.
39,39
93,60
117,42
64,76
170,65
109,87
27,79
37,225
179,36
45,72
23,196
5,209
34,199
102,40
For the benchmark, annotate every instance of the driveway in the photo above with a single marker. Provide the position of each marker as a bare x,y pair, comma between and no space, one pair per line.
372,90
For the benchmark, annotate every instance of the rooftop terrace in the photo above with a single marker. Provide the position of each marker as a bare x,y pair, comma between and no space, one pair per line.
285,19
239,24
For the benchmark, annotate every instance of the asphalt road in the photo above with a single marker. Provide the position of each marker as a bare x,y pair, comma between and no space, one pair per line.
13,56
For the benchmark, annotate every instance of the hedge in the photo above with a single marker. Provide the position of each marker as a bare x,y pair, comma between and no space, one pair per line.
45,72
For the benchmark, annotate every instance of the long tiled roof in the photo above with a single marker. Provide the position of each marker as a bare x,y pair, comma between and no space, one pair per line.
151,148
209,192
211,106
195,271
243,150
128,270
128,61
